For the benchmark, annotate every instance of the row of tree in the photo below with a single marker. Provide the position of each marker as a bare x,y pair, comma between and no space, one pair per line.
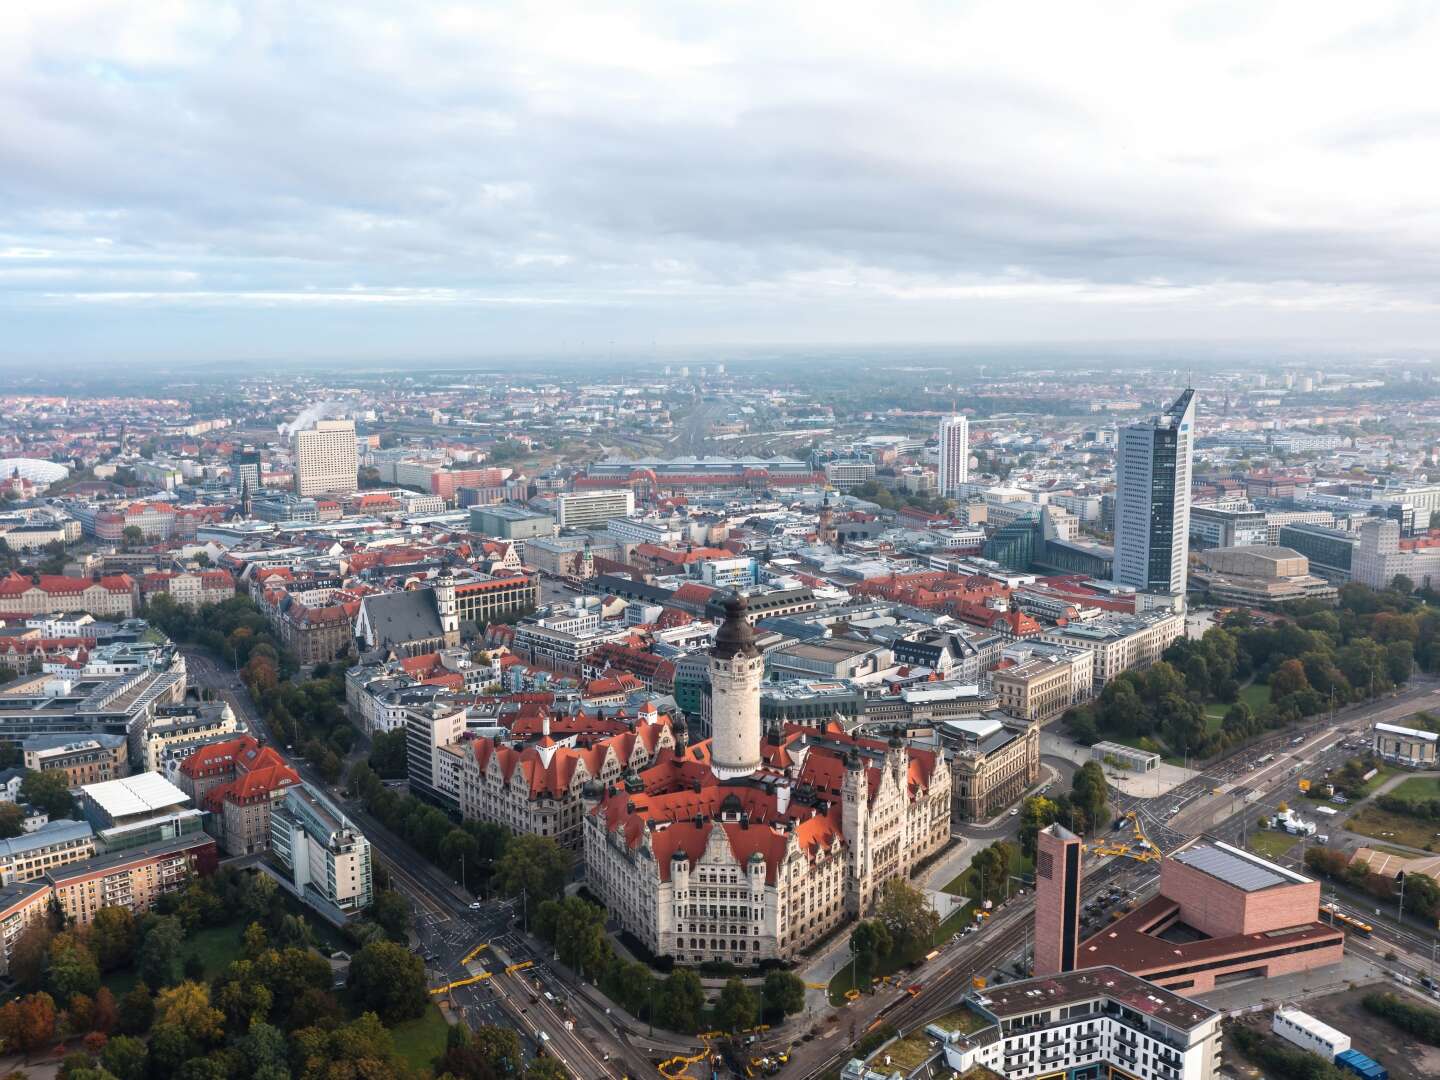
1409,1016
1422,894
1314,659
576,930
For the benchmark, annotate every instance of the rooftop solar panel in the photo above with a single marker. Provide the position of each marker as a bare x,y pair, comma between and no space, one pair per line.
1240,872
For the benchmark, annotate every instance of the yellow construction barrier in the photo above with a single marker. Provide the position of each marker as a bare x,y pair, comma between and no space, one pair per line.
474,953
521,966
818,986
459,983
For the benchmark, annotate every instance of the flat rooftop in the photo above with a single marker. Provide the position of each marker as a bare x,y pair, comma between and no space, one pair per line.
1236,867
1087,984
143,793
1133,942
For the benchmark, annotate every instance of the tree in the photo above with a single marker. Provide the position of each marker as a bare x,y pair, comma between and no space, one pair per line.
73,969
545,1069
170,1048
265,1051
48,791
989,870
107,1012
535,866
126,1057
27,961
161,960
112,937
392,912
906,913
242,996
29,1022
738,1007
682,1001
137,1010
488,1053
1090,793
132,535
870,940
187,1006
783,993
389,980
1289,678
359,1049
1035,813
12,821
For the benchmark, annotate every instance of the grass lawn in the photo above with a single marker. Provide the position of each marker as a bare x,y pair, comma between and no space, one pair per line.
421,1041
216,946
1256,695
1271,844
964,884
1418,788
888,965
1383,773
1382,825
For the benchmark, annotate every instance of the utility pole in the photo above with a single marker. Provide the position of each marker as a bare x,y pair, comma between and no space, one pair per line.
1400,907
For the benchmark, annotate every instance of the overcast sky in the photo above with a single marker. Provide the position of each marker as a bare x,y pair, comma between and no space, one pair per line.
413,179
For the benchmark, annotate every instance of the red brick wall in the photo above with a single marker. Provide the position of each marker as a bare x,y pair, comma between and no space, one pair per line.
1219,909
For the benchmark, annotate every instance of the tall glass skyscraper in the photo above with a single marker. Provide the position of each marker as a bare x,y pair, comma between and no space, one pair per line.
1152,499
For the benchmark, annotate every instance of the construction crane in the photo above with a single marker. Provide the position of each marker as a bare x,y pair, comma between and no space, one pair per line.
1141,848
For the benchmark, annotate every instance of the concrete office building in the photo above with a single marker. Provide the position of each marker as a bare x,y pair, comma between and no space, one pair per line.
1058,854
582,509
1152,499
326,460
954,453
510,522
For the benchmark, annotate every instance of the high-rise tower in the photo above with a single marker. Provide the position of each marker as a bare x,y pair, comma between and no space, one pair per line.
445,606
1057,899
954,454
326,458
1152,499
736,669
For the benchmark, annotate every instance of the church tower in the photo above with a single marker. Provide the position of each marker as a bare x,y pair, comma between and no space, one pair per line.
736,668
446,607
827,534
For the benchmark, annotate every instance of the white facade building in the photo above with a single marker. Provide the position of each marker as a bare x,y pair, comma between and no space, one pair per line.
326,460
954,454
1092,1022
579,509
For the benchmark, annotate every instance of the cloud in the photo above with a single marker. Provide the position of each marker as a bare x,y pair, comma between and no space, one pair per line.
659,170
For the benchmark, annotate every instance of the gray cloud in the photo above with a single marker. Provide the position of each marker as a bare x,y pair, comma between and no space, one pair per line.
655,166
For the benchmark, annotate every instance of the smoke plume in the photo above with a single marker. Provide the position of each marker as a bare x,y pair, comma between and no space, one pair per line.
325,410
